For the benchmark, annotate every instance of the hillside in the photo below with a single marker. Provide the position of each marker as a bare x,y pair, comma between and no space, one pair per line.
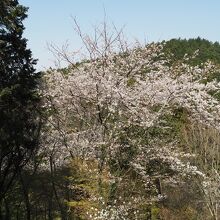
142,128
177,48
132,133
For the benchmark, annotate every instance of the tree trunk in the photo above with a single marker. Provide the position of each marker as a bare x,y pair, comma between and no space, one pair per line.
62,211
1,217
7,210
26,196
50,207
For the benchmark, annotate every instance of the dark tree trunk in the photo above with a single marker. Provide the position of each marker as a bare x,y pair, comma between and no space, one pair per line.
62,211
158,185
26,196
1,216
50,207
7,210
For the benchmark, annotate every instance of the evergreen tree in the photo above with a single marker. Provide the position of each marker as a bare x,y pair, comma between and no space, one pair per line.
19,100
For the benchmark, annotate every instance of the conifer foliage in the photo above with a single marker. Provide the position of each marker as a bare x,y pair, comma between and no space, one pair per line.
19,121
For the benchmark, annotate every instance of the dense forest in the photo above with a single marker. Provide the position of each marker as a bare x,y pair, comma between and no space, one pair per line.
131,132
207,50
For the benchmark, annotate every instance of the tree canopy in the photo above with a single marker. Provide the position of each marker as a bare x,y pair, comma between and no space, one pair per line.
19,120
207,50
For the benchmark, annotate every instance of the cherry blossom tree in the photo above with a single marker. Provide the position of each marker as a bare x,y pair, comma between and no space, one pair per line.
105,107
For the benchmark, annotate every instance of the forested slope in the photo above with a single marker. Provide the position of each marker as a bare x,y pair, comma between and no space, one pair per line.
131,133
206,50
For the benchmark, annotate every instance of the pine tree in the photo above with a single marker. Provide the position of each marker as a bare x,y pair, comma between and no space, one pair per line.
19,100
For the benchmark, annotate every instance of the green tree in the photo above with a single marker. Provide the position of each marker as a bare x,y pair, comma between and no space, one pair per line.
19,99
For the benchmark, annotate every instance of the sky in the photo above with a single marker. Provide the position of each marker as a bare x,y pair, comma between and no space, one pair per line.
51,21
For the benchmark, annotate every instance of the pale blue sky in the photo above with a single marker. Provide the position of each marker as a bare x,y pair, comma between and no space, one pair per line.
50,21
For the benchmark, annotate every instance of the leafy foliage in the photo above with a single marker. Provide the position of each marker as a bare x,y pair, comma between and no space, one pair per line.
19,125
